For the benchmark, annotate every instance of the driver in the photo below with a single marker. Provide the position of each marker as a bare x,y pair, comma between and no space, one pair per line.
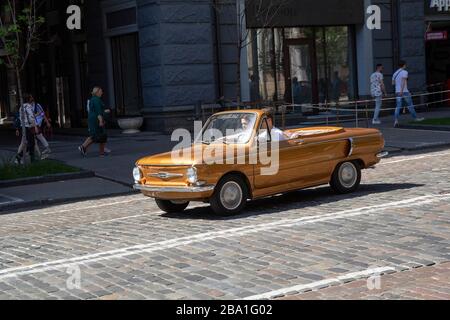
245,123
275,133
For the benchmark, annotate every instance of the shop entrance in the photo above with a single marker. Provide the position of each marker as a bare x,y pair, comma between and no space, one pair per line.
301,73
438,55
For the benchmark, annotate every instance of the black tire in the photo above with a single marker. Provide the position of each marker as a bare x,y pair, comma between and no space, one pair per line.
170,206
224,202
346,177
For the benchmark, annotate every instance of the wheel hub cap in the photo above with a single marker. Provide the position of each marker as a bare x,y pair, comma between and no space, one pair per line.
348,175
231,195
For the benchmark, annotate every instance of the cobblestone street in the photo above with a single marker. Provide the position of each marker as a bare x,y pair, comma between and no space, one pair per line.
309,244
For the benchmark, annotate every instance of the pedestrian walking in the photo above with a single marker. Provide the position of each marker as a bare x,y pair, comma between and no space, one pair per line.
29,129
400,81
377,89
97,124
41,121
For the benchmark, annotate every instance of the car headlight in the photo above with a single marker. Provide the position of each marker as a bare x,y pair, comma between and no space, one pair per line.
192,175
137,174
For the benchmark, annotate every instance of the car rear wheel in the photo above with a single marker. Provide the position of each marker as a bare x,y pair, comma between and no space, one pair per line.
346,178
230,196
172,206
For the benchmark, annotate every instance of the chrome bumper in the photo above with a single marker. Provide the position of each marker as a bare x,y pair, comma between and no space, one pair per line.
382,155
161,189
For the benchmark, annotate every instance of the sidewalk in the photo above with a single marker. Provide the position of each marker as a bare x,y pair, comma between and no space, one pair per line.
114,173
406,138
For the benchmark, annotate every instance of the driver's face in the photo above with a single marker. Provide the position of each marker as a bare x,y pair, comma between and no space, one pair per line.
244,123
270,123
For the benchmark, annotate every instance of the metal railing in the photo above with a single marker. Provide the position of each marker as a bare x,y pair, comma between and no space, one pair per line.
361,109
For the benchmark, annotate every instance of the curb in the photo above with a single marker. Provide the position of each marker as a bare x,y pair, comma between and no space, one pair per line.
397,151
12,207
425,127
45,179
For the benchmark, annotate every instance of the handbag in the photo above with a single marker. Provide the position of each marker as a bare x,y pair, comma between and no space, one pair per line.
101,137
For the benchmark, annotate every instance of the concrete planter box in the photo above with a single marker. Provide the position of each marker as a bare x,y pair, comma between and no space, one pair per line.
130,125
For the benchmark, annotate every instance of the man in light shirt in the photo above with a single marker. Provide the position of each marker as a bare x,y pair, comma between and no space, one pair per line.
275,133
400,80
377,89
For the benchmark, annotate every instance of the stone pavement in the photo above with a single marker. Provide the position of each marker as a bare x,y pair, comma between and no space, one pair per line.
426,283
125,248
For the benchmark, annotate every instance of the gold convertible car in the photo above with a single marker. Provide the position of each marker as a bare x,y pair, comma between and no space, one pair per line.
239,156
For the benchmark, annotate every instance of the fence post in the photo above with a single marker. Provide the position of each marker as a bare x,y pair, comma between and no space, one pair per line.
367,115
283,117
337,113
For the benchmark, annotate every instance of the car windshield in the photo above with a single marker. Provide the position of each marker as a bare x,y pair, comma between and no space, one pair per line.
229,128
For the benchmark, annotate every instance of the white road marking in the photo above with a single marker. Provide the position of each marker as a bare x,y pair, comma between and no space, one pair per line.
125,218
228,233
416,158
325,282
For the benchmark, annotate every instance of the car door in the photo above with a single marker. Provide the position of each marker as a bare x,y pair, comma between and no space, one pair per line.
301,162
277,162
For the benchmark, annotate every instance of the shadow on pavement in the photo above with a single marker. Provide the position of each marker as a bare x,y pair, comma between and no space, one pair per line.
302,199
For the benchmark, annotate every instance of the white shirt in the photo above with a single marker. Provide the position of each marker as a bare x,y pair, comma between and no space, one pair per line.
27,116
376,79
398,77
277,134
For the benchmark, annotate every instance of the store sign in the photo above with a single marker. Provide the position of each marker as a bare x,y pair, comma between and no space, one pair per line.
295,13
437,7
436,35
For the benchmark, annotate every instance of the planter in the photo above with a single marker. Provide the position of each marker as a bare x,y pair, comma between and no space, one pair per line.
130,125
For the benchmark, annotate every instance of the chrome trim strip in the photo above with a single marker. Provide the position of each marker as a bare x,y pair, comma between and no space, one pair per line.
165,175
382,155
350,153
173,189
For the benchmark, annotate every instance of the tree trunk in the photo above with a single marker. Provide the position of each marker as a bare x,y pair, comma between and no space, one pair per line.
20,94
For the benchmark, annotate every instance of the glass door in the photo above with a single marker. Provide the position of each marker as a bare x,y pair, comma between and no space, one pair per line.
301,79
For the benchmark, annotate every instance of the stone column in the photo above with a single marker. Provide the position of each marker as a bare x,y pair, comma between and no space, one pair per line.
177,60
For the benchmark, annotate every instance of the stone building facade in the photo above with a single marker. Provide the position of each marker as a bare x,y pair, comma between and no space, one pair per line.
161,58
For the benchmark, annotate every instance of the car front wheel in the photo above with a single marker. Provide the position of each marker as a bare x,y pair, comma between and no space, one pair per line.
346,178
230,196
172,206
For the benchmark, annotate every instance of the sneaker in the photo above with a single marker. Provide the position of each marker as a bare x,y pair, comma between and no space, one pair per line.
108,151
374,122
82,151
104,155
419,119
47,151
396,125
18,159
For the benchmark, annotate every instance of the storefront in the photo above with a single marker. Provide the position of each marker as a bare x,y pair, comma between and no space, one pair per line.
297,61
437,41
